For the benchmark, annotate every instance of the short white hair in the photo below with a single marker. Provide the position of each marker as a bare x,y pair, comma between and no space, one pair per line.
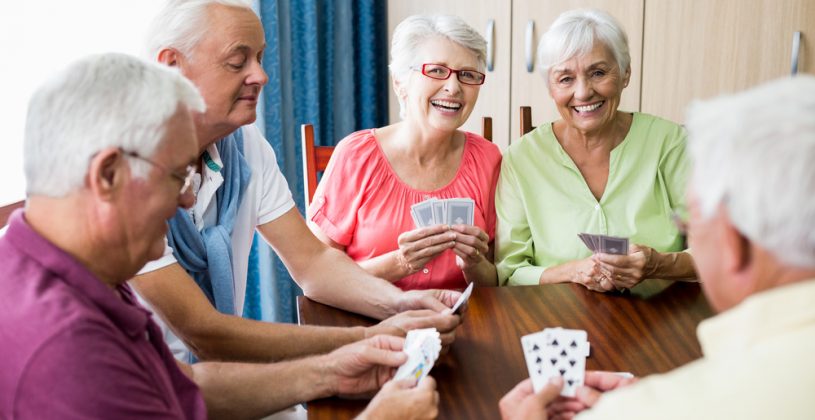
753,154
182,23
576,32
101,101
412,32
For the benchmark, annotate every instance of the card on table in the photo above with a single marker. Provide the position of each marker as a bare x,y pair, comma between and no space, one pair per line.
556,352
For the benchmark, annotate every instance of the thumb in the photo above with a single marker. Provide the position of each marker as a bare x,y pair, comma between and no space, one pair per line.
588,396
400,384
550,392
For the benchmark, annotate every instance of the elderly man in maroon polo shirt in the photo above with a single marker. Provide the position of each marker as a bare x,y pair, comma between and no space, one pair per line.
109,148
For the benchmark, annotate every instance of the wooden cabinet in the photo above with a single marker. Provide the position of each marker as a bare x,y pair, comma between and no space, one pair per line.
702,48
680,50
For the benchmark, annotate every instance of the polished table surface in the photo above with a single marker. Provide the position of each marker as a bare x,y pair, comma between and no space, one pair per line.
650,329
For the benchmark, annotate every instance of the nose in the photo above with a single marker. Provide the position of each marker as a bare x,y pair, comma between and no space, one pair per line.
257,76
186,199
452,84
583,89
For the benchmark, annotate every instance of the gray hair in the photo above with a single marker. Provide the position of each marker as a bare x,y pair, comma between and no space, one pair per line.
412,32
181,24
575,33
753,154
101,101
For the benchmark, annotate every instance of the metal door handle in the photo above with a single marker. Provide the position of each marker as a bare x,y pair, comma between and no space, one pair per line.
490,44
530,55
796,49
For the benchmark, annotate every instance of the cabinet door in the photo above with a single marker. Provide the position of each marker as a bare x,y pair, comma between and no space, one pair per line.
493,99
702,48
529,88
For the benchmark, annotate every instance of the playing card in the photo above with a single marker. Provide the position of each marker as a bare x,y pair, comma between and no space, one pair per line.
463,298
460,211
613,245
553,352
438,211
585,238
422,213
422,347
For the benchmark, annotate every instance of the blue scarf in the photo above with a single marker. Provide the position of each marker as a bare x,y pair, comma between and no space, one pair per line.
207,255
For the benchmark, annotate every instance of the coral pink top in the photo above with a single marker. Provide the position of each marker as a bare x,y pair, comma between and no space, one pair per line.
362,204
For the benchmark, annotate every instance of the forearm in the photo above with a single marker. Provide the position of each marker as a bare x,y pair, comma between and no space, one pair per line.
670,266
386,266
243,390
238,339
562,273
334,279
483,273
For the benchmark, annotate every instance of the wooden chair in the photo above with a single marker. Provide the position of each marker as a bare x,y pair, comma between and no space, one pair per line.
315,158
526,120
6,211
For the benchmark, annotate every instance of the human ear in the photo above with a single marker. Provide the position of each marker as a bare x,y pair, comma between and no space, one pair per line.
105,173
169,57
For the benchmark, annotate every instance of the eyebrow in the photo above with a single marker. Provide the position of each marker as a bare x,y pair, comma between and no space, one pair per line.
591,66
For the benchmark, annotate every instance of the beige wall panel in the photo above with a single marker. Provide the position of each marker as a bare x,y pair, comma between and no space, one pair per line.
702,48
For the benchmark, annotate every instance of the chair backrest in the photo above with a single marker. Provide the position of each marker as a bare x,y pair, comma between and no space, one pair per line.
315,158
526,120
6,211
486,128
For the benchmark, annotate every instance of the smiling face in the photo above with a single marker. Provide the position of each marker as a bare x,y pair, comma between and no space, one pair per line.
226,67
587,89
439,105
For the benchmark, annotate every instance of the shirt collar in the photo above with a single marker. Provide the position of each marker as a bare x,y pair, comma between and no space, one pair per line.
124,313
758,318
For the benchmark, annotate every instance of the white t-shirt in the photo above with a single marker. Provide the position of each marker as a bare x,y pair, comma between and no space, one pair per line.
266,198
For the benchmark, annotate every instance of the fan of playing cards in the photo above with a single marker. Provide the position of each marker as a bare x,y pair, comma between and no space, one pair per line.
451,211
605,244
553,352
422,347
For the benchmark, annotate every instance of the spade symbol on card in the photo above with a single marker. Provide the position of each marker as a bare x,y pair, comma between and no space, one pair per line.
562,371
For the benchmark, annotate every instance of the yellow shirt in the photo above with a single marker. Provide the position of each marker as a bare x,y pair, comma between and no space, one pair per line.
759,363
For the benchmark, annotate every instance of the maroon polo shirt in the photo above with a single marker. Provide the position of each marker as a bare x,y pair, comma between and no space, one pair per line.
71,348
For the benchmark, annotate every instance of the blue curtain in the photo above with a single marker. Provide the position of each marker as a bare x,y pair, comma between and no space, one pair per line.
327,65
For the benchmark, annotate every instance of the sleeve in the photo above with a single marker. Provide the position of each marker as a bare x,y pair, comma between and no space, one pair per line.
84,373
674,168
275,196
514,247
341,191
165,260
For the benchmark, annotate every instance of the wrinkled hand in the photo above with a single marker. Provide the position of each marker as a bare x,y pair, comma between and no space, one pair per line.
594,385
625,271
433,299
417,247
362,367
401,400
401,323
587,272
472,246
523,403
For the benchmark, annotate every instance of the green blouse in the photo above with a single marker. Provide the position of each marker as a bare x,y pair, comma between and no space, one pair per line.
543,202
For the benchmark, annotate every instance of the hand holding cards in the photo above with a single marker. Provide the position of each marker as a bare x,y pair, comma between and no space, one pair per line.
605,244
451,211
422,347
556,352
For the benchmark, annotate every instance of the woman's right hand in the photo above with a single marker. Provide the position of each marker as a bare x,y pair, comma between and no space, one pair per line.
417,247
588,273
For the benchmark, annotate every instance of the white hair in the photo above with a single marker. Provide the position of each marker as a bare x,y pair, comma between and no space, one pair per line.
575,33
754,154
412,32
181,24
107,100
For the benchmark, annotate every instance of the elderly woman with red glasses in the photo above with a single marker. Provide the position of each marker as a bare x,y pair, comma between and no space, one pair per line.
363,203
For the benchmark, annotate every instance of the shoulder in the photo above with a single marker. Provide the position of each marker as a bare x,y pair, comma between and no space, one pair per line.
483,148
534,144
362,141
659,127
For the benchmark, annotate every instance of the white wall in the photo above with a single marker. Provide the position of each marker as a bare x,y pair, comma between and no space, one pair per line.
40,37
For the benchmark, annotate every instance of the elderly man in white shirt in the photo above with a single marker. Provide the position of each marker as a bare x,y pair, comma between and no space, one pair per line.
752,204
218,45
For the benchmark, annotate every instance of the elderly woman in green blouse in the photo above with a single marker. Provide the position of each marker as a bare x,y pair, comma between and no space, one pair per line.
596,170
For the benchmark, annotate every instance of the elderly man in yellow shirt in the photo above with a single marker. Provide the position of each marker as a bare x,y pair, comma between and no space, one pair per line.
752,203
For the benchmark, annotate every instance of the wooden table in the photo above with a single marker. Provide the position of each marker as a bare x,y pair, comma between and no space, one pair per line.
650,329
